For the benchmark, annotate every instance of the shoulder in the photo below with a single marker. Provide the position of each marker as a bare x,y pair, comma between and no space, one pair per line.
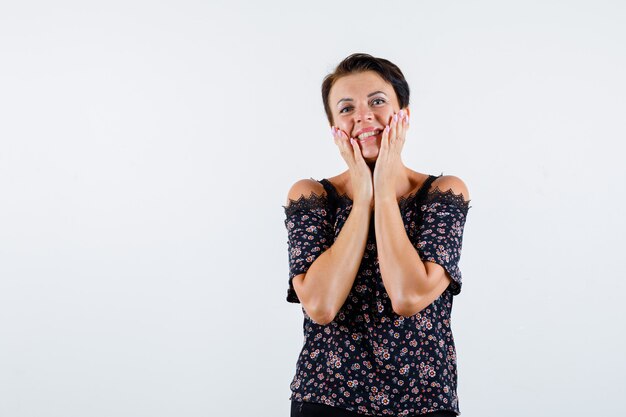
305,188
452,183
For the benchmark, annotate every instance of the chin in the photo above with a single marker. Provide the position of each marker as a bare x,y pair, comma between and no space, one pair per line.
371,158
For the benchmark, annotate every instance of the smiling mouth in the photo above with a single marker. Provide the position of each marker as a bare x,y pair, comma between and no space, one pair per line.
364,136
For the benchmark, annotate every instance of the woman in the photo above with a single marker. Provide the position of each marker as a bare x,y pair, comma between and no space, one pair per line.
373,260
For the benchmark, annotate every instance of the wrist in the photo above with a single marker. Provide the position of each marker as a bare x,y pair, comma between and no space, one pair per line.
361,210
383,196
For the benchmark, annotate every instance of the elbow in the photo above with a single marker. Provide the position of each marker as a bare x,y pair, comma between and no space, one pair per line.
405,307
321,316
404,312
318,310
323,320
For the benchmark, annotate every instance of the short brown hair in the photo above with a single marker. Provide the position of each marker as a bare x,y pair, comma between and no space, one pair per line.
359,62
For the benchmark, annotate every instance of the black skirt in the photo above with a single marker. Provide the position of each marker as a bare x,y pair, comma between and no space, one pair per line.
307,409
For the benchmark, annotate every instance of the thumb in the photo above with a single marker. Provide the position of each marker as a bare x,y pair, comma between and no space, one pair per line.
356,149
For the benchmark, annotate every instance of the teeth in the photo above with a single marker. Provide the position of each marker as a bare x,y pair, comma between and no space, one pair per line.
367,135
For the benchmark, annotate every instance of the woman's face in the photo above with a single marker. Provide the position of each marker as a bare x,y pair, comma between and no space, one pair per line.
363,103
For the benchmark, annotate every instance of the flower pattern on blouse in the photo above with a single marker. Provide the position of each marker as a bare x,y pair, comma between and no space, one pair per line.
369,359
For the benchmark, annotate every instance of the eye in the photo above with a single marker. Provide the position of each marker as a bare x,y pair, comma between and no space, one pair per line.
378,101
345,108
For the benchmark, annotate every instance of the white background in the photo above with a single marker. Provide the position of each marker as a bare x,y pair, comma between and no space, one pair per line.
147,149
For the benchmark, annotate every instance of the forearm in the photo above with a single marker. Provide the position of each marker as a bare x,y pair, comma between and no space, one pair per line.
330,278
403,272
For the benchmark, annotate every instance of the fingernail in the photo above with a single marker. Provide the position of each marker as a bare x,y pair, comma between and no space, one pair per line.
332,130
352,141
401,113
395,117
387,129
407,119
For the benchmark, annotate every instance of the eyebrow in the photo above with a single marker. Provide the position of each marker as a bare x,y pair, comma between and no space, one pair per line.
368,96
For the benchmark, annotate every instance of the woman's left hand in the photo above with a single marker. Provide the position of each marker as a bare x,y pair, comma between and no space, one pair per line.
388,164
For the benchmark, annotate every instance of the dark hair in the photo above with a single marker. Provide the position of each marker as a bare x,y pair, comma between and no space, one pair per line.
358,62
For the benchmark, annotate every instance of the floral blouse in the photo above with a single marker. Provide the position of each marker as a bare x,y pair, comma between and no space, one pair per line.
369,359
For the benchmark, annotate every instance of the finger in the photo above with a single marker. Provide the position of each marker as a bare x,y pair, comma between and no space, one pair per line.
334,132
400,126
393,129
337,138
406,128
405,124
358,157
343,139
346,146
385,139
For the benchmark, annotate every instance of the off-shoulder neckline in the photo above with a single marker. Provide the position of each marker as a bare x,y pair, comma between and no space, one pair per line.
313,200
447,196
403,201
431,195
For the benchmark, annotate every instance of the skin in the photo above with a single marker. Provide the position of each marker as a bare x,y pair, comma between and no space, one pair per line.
376,178
364,100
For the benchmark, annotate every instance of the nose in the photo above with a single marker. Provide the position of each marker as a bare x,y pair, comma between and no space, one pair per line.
363,114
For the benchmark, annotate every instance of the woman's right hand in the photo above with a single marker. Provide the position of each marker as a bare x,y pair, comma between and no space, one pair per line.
360,173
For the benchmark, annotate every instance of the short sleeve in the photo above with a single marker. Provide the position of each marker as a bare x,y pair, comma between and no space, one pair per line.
309,233
440,235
